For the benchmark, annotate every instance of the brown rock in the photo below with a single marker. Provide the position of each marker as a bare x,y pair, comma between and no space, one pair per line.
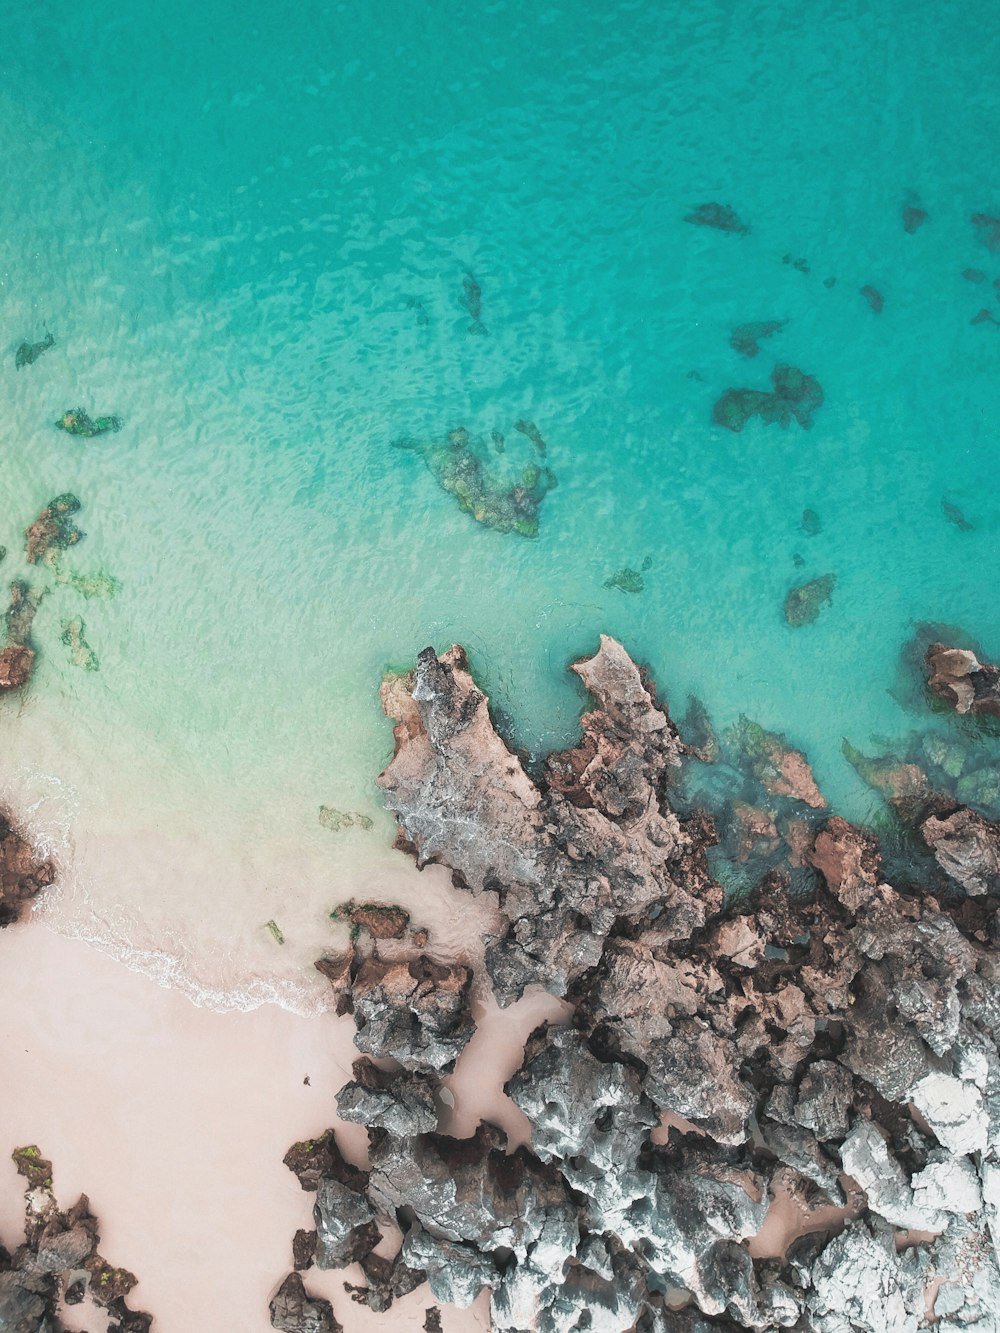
17,662
849,862
22,875
957,676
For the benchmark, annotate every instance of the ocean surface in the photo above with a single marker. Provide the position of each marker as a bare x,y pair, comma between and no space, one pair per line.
276,239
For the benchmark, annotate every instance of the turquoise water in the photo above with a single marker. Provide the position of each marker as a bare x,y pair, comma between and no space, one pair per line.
248,228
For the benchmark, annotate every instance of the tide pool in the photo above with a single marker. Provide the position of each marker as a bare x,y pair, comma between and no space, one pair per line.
251,231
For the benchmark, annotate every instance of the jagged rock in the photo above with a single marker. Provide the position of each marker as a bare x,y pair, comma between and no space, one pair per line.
967,848
849,862
304,1249
780,769
293,1310
402,1103
865,1157
22,874
957,676
568,860
904,785
823,1100
456,1273
381,921
860,1286
417,1012
577,1104
388,1279
795,396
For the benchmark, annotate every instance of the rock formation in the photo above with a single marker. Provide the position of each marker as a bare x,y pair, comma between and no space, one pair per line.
795,396
804,602
22,873
59,1261
968,685
506,504
720,216
826,1034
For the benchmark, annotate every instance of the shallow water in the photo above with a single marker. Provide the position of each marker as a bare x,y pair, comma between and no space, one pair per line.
248,228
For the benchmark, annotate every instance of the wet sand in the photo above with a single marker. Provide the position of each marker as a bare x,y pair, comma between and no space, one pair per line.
174,1120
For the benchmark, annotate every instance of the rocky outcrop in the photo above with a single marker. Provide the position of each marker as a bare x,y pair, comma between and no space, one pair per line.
293,1310
53,530
59,1260
968,685
23,874
824,1035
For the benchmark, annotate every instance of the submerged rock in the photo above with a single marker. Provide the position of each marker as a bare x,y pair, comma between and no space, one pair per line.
53,530
812,525
795,396
780,769
74,637
954,515
720,216
987,230
504,505
28,353
913,217
77,421
874,298
626,580
804,602
747,338
957,676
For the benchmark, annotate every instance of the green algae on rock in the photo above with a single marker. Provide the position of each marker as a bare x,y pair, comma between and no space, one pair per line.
795,395
335,820
626,580
805,601
81,653
28,353
505,506
746,338
100,584
720,216
77,421
53,530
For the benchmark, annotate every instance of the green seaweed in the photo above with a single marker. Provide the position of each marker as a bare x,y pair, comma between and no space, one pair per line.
335,820
275,930
77,421
502,505
81,653
90,585
626,580
805,601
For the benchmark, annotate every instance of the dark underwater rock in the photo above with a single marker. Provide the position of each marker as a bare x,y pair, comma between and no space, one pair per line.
987,230
796,396
778,767
812,525
77,421
293,1310
53,530
913,217
720,216
456,462
804,602
28,353
746,338
957,676
874,298
626,580
954,515
973,275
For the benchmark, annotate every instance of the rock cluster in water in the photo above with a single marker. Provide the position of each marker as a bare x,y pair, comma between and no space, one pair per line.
825,1034
795,396
59,1262
507,505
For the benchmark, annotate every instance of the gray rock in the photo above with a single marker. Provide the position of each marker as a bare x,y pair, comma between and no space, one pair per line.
456,1273
293,1310
402,1103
